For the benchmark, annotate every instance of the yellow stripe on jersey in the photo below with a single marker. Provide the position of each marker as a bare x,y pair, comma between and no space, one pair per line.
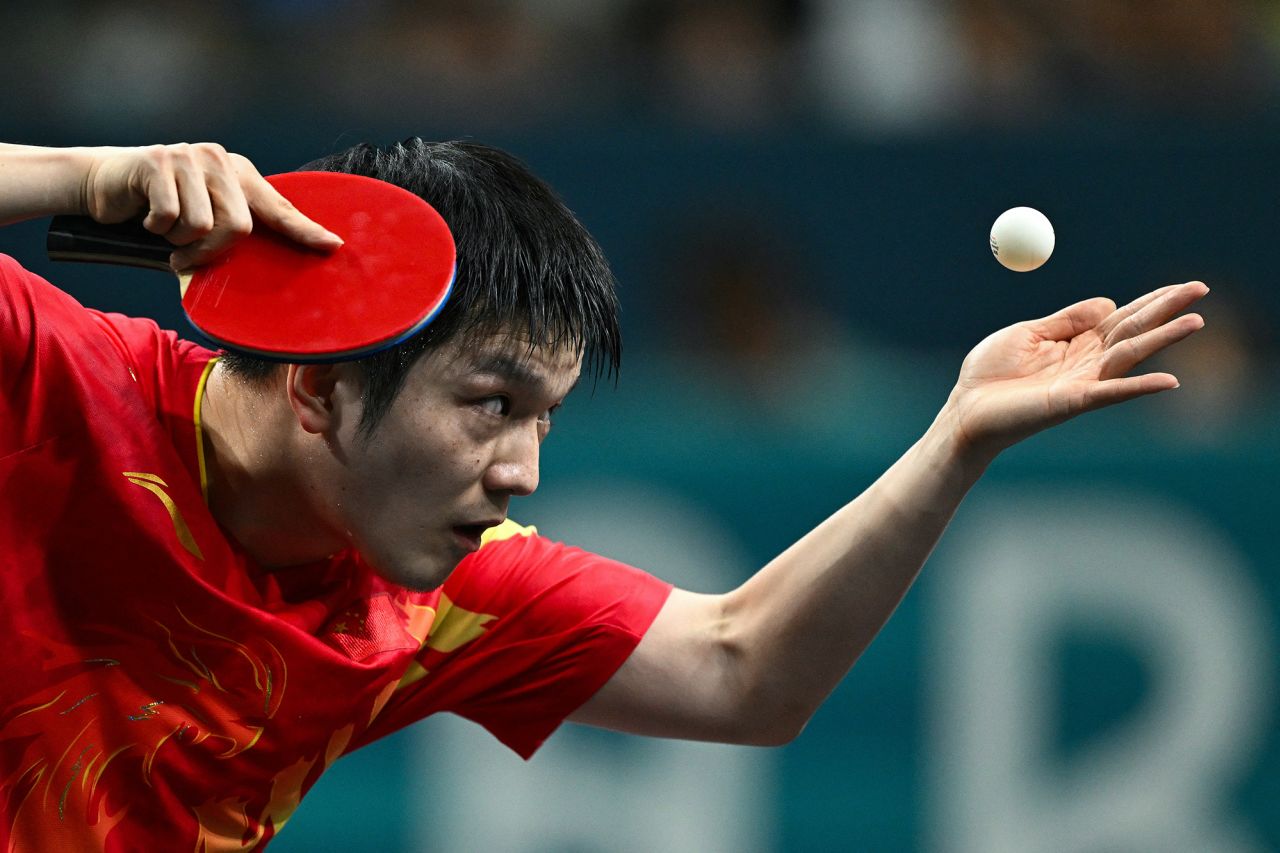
506,530
204,477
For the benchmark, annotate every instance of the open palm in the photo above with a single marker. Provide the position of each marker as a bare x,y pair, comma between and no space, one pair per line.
1033,375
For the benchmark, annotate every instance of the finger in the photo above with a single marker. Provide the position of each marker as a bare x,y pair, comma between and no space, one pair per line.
1131,352
1111,391
1133,307
196,217
163,204
1074,319
278,213
1168,303
231,217
216,242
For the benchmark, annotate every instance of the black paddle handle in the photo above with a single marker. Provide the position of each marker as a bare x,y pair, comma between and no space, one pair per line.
80,238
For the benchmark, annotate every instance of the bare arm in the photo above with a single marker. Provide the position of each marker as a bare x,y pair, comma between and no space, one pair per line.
41,181
752,665
199,197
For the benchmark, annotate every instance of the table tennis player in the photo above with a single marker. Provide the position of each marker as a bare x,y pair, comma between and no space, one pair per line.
220,574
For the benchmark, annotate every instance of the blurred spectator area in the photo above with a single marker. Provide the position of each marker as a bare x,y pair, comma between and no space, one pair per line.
921,64
860,65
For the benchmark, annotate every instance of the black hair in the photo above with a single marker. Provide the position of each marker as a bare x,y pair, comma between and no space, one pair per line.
524,263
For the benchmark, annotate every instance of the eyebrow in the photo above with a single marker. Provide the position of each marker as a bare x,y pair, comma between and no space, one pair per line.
517,371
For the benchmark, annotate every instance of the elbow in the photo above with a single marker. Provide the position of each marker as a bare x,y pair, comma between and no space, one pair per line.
765,709
762,703
775,735
771,720
779,729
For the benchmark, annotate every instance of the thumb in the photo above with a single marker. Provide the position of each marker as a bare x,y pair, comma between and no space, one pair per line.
1074,319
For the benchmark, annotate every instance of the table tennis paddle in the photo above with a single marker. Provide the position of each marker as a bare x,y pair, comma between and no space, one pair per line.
273,298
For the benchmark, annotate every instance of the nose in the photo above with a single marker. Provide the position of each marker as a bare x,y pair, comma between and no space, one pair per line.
514,468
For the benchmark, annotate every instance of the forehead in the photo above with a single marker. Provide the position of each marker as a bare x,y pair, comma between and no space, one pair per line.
512,357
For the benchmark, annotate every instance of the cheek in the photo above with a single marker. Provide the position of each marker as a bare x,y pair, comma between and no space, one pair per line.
425,459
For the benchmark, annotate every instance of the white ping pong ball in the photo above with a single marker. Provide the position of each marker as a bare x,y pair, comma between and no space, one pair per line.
1022,239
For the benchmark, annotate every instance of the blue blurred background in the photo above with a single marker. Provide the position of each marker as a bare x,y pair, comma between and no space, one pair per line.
796,196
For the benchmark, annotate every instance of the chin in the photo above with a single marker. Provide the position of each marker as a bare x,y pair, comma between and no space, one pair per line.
422,575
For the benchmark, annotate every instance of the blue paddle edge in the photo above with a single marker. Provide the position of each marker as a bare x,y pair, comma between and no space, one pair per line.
345,355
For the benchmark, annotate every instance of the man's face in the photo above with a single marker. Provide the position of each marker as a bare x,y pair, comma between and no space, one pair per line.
460,440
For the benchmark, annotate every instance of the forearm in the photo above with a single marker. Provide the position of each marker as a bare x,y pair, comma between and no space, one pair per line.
752,665
797,626
41,181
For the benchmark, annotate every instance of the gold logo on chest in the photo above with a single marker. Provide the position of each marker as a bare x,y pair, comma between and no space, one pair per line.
157,487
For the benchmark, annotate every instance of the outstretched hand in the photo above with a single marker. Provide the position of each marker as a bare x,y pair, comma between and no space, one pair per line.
1035,374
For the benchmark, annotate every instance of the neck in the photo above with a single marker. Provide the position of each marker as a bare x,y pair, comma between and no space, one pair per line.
254,491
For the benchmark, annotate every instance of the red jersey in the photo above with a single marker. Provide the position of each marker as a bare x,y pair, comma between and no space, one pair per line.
162,691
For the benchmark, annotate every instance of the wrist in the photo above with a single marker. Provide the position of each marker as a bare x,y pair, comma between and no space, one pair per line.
949,445
79,166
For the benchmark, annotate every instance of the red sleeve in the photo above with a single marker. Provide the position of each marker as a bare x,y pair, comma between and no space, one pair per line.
532,629
165,366
41,331
49,342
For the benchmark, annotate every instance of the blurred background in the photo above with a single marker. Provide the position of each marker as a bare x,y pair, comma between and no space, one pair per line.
796,196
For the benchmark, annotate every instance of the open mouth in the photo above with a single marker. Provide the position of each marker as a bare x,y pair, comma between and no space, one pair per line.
471,533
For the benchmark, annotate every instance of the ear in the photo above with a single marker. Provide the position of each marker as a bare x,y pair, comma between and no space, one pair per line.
316,393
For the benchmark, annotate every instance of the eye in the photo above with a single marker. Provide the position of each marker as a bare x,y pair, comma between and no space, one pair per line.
498,405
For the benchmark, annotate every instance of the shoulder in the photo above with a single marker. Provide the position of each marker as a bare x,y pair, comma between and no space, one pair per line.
9,267
44,332
48,339
23,294
35,309
518,570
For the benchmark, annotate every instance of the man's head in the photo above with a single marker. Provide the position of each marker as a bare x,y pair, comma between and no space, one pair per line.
406,451
524,262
